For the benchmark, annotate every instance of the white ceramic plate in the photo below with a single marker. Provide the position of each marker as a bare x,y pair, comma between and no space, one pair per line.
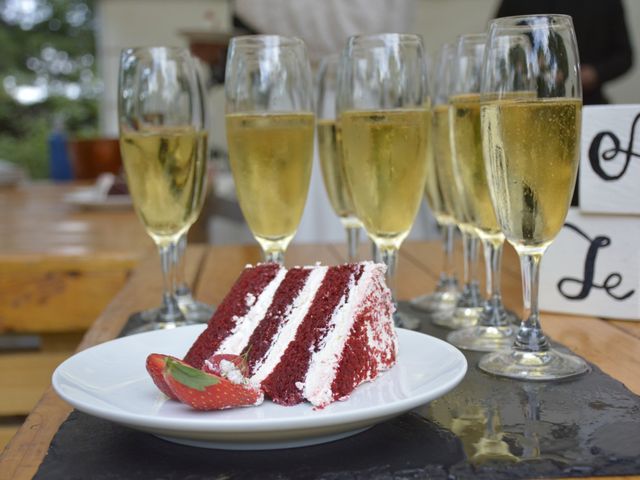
92,198
110,381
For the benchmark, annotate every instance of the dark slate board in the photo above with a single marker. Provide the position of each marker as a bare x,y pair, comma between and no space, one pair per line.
487,428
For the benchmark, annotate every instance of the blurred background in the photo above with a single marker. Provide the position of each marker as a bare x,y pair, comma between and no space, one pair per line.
59,65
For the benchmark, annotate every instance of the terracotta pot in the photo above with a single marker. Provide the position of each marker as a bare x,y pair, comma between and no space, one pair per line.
91,157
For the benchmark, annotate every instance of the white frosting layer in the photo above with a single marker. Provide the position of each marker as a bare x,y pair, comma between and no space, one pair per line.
246,324
324,363
293,318
230,371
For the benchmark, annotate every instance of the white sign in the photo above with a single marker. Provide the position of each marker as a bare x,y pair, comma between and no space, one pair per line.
610,159
593,267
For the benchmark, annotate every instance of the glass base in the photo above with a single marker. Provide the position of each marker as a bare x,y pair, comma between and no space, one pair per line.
457,318
435,302
402,320
483,338
471,297
494,314
508,317
155,315
538,366
152,319
512,317
194,311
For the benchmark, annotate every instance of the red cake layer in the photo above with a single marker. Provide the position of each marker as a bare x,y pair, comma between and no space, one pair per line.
251,282
357,364
263,335
280,385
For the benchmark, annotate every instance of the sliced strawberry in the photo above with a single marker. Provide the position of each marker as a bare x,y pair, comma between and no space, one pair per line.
155,367
205,391
220,364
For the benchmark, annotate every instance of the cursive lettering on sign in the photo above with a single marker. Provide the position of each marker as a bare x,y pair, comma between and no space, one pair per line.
595,155
612,282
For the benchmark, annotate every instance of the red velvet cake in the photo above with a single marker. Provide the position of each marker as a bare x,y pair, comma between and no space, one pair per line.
308,333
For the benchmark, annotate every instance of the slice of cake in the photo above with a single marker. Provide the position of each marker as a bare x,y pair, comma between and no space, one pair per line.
308,333
242,308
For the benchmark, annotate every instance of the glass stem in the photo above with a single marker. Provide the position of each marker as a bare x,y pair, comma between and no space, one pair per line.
179,259
390,257
493,265
375,252
471,296
353,240
170,310
466,252
530,337
274,256
448,267
473,261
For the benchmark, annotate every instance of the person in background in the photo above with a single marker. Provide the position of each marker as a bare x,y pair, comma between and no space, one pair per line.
324,25
602,34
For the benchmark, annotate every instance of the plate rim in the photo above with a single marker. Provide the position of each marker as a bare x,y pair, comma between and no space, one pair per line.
202,425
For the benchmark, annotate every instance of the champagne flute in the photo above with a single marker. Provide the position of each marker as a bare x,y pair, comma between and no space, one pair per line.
447,292
270,129
163,144
384,120
531,114
192,309
495,328
330,152
466,310
339,107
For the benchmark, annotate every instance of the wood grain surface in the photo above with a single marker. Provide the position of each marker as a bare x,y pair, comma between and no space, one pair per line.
62,259
612,345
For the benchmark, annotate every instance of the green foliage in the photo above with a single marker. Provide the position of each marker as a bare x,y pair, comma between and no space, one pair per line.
57,49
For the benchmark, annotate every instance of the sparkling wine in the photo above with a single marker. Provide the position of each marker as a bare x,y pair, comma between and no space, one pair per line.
532,149
270,156
385,155
451,195
432,189
333,171
165,170
469,166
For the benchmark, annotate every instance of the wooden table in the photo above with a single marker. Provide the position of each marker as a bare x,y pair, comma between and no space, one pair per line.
612,345
58,258
59,268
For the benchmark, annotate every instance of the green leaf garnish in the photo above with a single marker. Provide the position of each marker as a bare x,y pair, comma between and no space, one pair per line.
189,376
